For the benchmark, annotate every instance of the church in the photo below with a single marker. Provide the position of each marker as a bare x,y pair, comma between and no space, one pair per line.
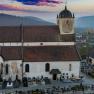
35,51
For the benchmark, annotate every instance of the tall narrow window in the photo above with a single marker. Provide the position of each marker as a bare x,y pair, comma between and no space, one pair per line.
27,68
70,67
1,72
47,67
7,68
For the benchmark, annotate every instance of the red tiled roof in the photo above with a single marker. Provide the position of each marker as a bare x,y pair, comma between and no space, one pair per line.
33,34
51,53
41,53
41,33
10,34
11,53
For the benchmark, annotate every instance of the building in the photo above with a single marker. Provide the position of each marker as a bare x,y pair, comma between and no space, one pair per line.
91,55
35,51
90,35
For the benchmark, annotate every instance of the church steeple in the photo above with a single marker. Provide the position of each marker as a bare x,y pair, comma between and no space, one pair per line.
65,21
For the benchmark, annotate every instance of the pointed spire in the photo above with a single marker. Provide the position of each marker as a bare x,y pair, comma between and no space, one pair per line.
66,4
65,7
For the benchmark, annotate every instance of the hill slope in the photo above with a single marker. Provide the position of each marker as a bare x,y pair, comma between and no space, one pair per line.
9,20
85,22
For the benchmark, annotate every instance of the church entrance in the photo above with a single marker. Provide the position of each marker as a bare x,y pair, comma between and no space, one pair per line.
54,76
54,73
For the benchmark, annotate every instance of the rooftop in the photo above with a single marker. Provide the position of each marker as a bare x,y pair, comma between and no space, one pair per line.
33,34
40,53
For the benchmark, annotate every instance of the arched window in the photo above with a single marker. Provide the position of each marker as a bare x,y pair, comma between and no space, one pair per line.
7,68
47,67
70,67
27,68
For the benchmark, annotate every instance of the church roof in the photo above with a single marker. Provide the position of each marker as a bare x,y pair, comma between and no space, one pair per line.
11,53
10,34
41,33
40,53
33,34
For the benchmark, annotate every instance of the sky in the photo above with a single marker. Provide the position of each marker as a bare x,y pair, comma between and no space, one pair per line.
46,9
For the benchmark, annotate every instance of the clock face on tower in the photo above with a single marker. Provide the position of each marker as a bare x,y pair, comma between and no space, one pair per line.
67,26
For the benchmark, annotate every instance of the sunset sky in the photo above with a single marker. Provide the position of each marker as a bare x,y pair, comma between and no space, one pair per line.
46,10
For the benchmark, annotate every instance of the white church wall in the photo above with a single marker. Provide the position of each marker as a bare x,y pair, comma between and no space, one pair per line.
38,68
36,43
1,60
14,68
64,67
48,43
1,64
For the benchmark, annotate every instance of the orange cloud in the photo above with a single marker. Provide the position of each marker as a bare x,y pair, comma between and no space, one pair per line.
10,7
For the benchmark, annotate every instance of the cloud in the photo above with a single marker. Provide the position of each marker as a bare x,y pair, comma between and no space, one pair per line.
40,2
76,6
19,6
21,9
9,7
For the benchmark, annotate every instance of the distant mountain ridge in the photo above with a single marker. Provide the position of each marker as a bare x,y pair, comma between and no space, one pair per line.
85,22
9,20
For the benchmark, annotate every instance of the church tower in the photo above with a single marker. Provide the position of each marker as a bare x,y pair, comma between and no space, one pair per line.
65,21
